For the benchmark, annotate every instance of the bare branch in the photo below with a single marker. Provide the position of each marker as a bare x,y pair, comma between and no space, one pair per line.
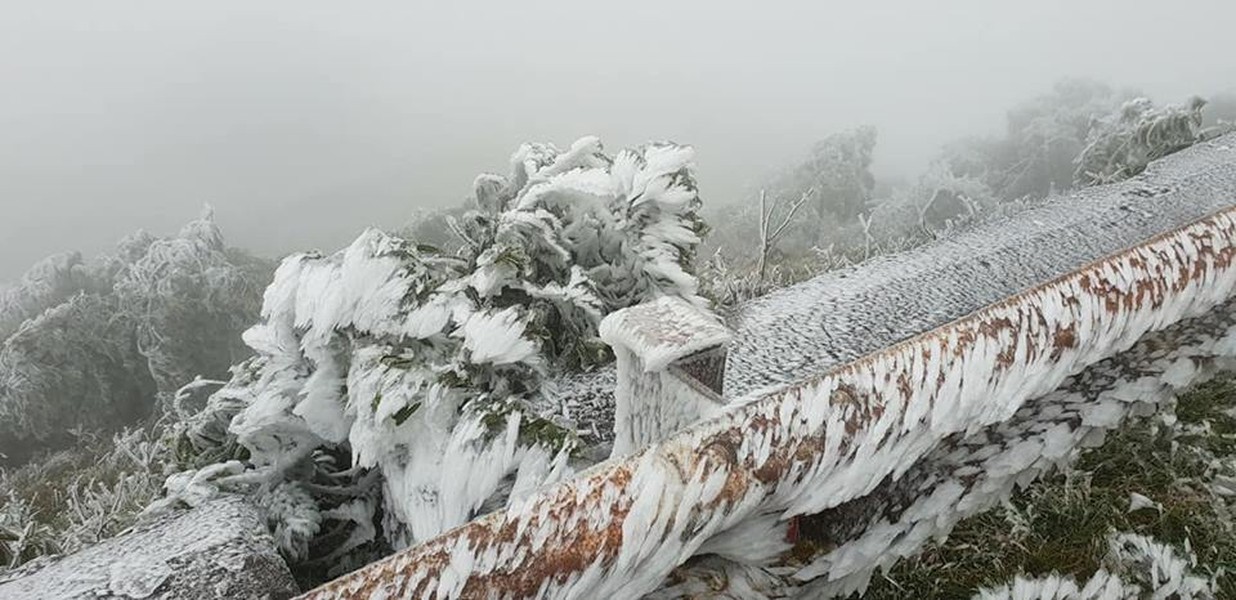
790,216
768,239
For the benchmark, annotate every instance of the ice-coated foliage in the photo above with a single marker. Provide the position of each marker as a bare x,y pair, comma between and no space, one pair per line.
96,344
397,358
1049,139
190,297
293,517
48,283
619,530
73,364
22,537
1122,144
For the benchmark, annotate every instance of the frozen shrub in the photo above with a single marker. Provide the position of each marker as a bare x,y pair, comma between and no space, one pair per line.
1122,144
394,374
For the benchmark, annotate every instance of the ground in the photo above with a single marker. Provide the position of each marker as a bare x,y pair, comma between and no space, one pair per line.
1060,523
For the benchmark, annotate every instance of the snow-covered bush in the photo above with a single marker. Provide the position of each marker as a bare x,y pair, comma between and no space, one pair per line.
394,361
1122,144
48,283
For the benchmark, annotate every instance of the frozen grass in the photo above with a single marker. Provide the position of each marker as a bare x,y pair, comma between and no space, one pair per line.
72,498
1061,524
729,276
728,284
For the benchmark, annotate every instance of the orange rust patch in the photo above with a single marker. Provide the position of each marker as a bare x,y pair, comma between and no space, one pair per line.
1063,339
579,547
903,384
772,469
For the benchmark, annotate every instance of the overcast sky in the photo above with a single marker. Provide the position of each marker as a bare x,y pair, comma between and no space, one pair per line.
303,122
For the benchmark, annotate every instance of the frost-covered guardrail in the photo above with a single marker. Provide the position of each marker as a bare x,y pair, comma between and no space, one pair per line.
871,409
217,550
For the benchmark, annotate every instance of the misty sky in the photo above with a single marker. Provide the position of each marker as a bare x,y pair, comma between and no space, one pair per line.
303,122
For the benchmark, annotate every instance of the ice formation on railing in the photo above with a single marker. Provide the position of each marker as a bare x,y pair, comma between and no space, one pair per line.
806,487
669,353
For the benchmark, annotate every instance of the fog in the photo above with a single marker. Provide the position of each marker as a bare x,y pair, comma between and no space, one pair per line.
303,122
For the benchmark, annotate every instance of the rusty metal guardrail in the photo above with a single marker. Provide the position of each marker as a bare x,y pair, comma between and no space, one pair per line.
621,528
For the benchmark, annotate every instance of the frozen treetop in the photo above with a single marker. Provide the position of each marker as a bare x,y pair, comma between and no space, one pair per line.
839,316
663,331
218,550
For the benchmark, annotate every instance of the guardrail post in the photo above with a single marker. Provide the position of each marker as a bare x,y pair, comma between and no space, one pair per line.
671,364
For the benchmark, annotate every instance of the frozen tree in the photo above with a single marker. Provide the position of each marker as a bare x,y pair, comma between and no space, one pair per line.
1043,137
1122,144
57,278
94,343
398,360
190,298
942,195
1082,133
838,169
1049,132
75,364
48,283
836,174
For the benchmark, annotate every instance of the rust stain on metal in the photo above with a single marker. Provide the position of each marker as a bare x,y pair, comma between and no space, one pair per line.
1064,338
